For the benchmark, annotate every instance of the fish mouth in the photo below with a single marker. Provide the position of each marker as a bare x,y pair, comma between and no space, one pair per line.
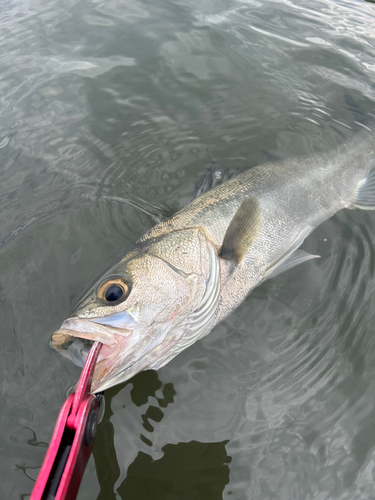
76,335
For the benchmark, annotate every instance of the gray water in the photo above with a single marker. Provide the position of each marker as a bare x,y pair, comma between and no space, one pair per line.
110,113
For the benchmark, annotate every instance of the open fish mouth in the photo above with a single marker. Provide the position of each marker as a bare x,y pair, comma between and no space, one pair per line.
76,335
74,348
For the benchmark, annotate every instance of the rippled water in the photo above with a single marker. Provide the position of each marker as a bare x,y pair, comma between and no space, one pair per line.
110,113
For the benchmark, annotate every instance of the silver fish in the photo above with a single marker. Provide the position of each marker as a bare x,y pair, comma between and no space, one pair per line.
191,271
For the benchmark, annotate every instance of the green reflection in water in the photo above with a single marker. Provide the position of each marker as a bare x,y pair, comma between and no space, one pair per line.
186,471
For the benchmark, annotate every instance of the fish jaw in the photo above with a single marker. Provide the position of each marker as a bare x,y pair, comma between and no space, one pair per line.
122,347
117,364
113,338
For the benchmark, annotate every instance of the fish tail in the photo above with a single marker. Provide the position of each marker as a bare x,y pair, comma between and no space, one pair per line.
365,193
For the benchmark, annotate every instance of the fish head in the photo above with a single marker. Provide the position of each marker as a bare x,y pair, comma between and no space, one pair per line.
160,298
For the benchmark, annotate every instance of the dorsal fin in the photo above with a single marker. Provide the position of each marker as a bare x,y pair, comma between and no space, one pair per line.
242,231
212,177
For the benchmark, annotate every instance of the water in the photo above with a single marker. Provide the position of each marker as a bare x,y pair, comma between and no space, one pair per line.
110,113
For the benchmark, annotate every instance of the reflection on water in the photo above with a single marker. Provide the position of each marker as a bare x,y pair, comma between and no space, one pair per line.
195,470
110,113
185,470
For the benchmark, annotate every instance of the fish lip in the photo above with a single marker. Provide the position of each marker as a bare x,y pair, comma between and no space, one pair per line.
76,327
114,339
117,320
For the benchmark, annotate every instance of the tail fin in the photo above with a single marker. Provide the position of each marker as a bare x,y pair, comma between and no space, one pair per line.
365,196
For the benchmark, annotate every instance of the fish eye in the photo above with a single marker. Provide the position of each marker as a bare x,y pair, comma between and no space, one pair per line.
114,290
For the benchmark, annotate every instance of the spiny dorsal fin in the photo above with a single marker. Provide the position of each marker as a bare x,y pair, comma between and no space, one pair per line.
212,177
242,231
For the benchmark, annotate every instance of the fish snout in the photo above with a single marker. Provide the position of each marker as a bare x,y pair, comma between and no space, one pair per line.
104,329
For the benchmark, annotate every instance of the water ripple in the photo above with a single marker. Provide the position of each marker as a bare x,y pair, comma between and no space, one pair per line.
110,113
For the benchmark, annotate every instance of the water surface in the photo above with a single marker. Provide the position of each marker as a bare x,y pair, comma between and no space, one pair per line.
110,113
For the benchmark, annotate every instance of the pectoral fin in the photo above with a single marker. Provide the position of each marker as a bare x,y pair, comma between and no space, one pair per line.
241,231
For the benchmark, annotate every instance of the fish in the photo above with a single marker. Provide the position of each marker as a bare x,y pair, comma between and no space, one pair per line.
189,272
